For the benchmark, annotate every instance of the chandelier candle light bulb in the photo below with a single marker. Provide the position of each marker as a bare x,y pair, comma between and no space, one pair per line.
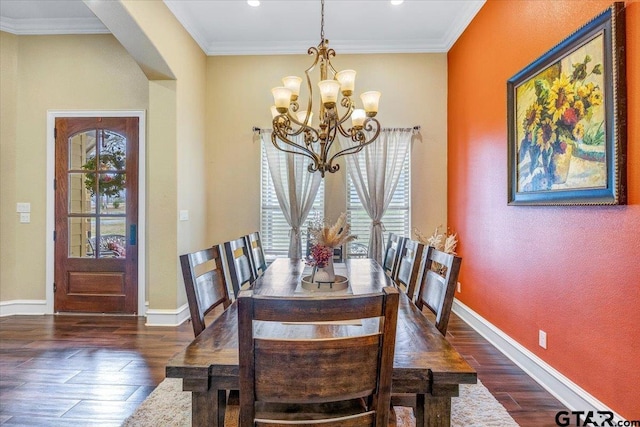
289,121
358,117
302,115
347,79
370,100
329,90
292,83
282,98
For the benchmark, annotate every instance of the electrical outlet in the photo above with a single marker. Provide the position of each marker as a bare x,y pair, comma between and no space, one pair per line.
459,287
542,339
25,218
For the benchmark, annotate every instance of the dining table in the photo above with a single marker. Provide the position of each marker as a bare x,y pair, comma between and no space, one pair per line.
425,363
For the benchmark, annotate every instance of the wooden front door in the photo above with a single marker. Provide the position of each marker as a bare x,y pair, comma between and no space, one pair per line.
96,211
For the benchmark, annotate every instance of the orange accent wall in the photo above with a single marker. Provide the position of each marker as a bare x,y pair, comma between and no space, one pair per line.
572,271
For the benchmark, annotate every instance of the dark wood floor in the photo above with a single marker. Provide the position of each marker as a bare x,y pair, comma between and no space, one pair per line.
95,370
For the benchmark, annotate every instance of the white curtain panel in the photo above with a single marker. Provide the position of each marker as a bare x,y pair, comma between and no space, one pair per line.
375,172
295,187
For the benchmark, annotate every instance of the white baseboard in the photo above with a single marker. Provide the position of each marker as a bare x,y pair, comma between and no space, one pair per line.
566,391
160,317
23,307
39,307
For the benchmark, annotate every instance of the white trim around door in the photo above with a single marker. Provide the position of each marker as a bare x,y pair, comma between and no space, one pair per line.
50,205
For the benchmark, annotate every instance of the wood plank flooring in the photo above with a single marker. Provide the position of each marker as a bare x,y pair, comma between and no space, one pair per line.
70,370
525,400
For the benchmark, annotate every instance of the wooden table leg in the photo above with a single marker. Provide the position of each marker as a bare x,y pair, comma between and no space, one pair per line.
437,411
222,406
208,408
418,410
202,411
436,406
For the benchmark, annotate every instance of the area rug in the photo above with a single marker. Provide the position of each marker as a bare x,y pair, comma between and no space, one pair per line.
168,405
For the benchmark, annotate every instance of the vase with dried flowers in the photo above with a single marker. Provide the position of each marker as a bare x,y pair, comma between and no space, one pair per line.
324,238
443,241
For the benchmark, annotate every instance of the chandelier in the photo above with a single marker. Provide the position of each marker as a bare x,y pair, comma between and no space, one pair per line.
289,121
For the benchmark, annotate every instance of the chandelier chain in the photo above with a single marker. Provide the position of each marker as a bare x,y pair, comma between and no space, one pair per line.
322,20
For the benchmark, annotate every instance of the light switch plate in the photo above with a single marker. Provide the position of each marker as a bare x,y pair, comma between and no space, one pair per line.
184,215
23,207
25,217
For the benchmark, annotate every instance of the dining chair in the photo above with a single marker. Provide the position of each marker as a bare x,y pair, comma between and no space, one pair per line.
392,254
332,381
437,288
205,284
238,263
258,261
438,285
409,267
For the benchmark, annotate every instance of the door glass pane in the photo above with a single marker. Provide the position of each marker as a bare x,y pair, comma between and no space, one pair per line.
118,203
112,151
112,192
81,193
113,237
81,237
82,148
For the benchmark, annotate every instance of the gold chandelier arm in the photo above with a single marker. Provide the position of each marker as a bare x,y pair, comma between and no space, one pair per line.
330,54
293,106
347,103
282,127
359,137
333,127
302,150
344,132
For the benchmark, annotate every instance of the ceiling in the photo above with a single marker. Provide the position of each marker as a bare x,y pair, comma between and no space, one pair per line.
232,27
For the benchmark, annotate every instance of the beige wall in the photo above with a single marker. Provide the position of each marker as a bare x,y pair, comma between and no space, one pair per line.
200,146
413,90
89,72
176,146
8,217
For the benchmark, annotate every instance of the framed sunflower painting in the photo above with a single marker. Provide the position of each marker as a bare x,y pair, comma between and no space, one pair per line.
567,120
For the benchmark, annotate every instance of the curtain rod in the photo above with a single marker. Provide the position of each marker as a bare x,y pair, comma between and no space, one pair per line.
414,129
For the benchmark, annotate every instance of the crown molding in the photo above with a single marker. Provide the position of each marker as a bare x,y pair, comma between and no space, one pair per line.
43,26
471,8
179,11
341,47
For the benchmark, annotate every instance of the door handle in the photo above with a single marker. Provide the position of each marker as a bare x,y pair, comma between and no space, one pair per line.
133,234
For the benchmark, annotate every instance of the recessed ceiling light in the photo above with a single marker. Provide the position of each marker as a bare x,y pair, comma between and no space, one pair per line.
254,3
396,2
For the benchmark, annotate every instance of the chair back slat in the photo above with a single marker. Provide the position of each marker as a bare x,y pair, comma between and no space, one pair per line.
205,284
330,308
257,258
438,285
239,264
409,267
392,253
339,359
285,378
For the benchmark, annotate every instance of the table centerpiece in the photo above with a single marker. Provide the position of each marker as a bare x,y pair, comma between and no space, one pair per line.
324,239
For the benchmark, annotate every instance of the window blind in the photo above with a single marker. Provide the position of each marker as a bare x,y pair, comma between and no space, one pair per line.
274,228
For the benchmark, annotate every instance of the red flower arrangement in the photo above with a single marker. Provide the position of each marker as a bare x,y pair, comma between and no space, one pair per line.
319,256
